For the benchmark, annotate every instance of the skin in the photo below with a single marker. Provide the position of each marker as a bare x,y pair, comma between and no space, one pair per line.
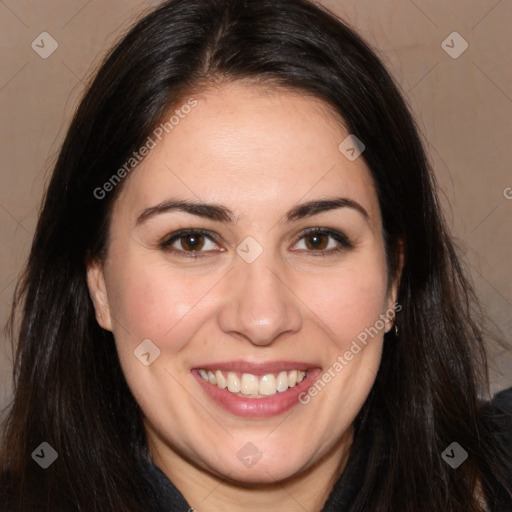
259,153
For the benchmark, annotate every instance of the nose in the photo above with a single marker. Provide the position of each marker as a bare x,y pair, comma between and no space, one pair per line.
260,305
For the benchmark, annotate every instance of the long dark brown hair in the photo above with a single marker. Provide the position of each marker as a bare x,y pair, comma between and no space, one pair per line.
69,389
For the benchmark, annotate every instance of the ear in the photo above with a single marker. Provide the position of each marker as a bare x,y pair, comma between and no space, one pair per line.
98,292
394,286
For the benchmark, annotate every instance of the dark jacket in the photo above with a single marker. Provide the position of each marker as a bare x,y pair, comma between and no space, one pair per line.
167,498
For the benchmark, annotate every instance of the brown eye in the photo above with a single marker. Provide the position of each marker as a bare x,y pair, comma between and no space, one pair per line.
323,242
316,241
192,242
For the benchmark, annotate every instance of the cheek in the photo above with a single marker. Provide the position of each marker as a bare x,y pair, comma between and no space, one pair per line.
149,301
349,301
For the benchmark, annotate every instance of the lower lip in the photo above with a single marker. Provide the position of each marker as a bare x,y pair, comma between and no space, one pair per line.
258,407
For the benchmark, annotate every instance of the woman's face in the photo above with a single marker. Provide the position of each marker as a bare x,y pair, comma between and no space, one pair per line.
259,305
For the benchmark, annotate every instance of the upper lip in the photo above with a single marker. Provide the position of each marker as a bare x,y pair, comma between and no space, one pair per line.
253,368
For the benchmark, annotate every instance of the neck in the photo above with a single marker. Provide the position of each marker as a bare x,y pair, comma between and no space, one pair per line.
205,491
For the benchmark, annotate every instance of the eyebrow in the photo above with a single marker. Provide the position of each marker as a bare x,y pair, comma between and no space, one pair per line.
221,213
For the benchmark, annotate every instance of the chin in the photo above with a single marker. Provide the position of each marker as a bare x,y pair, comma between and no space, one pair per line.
260,471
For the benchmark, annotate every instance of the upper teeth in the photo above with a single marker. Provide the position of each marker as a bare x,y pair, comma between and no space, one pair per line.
255,385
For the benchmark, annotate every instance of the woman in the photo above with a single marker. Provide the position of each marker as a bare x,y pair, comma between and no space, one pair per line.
241,293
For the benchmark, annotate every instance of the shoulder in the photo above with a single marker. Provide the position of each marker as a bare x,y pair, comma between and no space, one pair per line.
503,400
498,414
497,446
498,418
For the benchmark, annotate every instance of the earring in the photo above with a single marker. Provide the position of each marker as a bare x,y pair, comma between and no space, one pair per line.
396,329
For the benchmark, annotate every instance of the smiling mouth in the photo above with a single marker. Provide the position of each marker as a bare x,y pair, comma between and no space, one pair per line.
248,385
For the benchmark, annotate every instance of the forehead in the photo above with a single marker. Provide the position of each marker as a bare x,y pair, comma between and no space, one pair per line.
251,149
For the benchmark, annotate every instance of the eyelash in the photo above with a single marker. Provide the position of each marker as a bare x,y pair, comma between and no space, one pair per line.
343,241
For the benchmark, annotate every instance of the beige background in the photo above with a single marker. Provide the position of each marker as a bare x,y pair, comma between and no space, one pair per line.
463,107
